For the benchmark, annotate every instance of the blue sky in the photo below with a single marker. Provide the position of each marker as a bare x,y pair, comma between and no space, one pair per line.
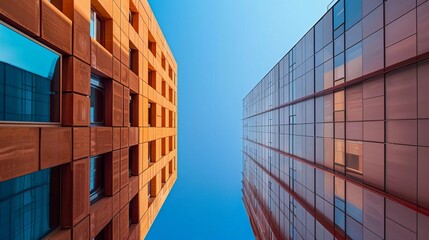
223,48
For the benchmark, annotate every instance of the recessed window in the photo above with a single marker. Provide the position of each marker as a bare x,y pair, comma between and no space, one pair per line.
163,62
133,61
29,205
151,152
151,44
151,78
29,79
134,110
96,179
149,189
97,27
97,101
133,156
163,175
133,210
151,114
133,16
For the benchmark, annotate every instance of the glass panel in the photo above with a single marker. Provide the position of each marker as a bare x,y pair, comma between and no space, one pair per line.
338,14
353,12
354,62
26,206
96,178
97,101
92,24
29,88
339,66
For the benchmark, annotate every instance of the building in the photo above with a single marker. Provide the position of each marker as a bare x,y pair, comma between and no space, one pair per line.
335,136
88,109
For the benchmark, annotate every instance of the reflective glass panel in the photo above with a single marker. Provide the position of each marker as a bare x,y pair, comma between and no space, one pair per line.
29,79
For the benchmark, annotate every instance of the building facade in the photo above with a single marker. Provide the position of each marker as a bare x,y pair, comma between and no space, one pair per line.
335,136
88,115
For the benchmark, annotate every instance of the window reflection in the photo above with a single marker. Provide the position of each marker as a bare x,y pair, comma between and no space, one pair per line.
29,87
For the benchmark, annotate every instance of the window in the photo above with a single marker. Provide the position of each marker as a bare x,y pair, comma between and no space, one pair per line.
133,16
152,44
133,61
97,27
149,189
133,160
133,110
353,12
130,17
163,175
151,115
29,205
151,75
163,62
149,152
133,210
29,87
96,178
97,101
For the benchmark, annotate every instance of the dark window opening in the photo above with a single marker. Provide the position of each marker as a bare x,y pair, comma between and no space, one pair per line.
96,179
97,101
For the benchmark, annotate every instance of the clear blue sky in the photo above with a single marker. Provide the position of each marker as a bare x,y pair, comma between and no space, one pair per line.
223,48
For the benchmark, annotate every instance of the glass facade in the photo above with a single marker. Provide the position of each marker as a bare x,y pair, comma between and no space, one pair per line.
334,135
29,79
27,208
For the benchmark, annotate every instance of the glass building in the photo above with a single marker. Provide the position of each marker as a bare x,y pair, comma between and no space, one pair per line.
335,136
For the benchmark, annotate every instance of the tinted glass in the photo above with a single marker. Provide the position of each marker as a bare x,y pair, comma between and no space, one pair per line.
29,79
97,101
96,178
353,12
338,14
25,206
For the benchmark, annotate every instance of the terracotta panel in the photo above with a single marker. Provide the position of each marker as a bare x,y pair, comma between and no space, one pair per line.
116,227
401,168
125,73
422,26
112,177
116,69
402,132
124,137
56,27
101,140
19,148
123,197
134,82
75,109
81,231
115,91
77,75
126,109
81,28
423,89
101,59
423,177
401,28
401,51
75,194
124,168
115,200
59,234
373,108
134,136
134,186
373,131
116,138
401,94
26,14
124,222
100,216
373,164
81,138
55,146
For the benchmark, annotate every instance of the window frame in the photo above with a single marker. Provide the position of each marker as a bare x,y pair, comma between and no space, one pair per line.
60,92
